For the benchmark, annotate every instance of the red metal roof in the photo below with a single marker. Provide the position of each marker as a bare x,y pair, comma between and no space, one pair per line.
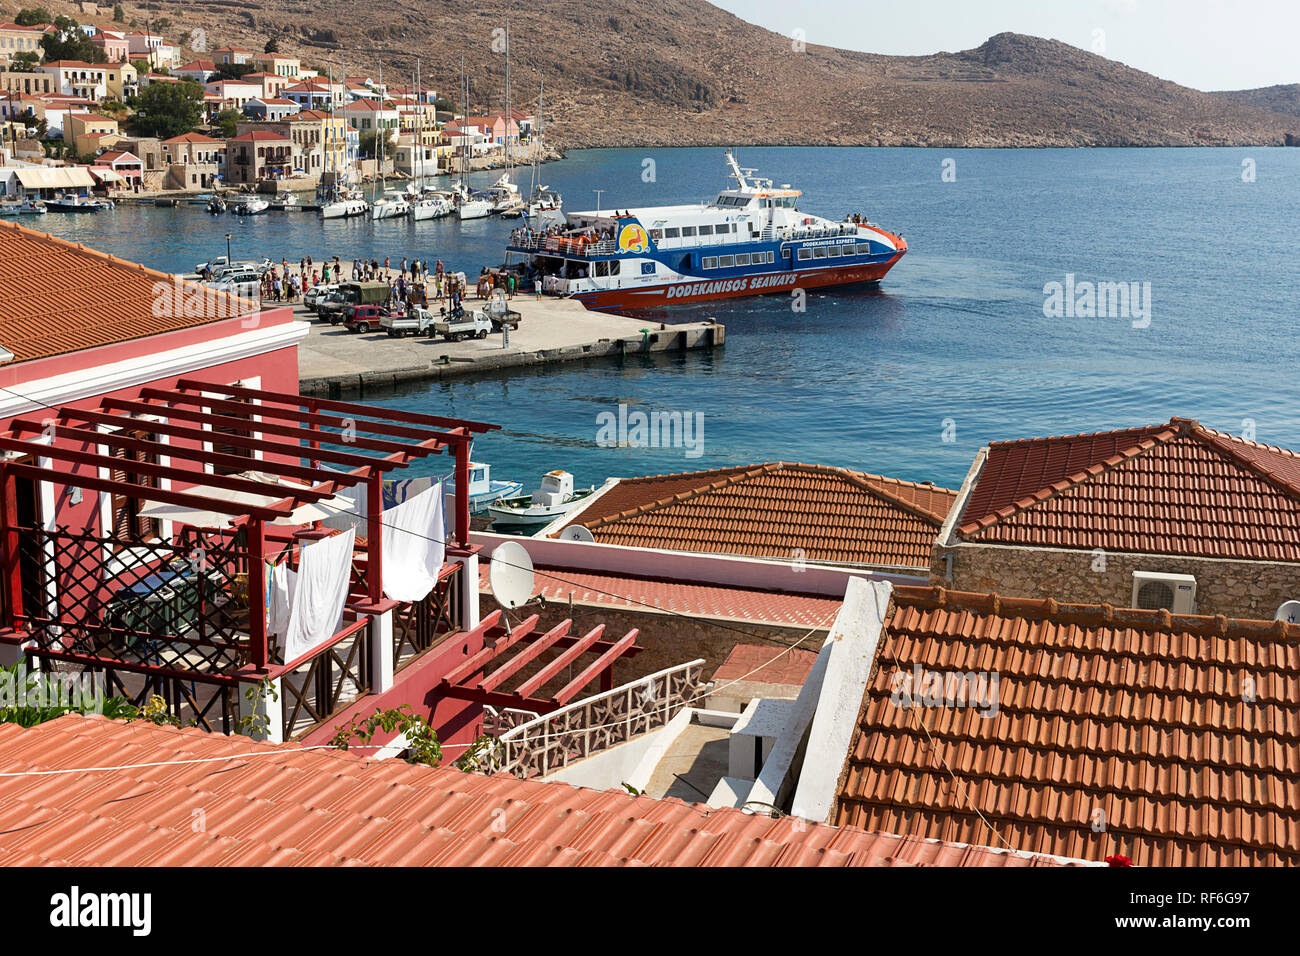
1170,739
1178,489
58,297
720,602
279,805
778,510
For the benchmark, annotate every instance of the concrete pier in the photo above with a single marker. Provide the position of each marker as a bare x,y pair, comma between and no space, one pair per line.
333,361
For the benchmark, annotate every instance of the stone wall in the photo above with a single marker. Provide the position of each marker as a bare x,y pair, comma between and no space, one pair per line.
1244,589
668,639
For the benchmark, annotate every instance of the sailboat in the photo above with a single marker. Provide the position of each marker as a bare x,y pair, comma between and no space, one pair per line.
386,206
340,203
504,194
544,206
468,204
425,204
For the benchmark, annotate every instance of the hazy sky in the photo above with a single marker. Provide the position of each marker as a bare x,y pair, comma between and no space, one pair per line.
1204,44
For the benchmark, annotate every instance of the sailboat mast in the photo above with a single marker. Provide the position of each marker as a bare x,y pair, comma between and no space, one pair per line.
507,124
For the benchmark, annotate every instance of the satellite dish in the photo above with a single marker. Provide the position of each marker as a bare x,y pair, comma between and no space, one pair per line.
576,532
510,575
1289,612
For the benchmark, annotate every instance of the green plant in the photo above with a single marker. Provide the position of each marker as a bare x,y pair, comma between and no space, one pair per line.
32,17
119,15
28,697
255,723
484,753
168,109
272,46
155,712
422,745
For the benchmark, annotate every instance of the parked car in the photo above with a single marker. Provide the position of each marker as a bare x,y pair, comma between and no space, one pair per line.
363,318
317,293
352,293
221,264
415,321
463,325
246,284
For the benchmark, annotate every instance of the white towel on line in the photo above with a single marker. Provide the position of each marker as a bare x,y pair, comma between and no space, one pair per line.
324,576
281,581
412,544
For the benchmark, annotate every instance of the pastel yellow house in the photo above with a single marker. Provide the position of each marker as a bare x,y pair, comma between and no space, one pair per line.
87,131
121,80
334,139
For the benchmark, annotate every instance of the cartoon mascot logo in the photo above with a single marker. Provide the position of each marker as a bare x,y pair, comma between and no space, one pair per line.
632,238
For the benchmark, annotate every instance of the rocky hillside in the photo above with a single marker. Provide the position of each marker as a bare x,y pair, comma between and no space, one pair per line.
683,72
1280,99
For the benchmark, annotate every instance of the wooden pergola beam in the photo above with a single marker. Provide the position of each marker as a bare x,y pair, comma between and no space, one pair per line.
543,676
477,662
334,405
505,671
199,435
115,440
594,669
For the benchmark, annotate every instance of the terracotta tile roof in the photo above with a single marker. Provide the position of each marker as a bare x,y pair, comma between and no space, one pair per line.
278,805
755,662
1177,488
58,297
715,601
259,136
1180,734
198,138
774,510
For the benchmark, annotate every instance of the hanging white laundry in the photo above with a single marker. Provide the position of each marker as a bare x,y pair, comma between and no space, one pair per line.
413,546
281,581
324,575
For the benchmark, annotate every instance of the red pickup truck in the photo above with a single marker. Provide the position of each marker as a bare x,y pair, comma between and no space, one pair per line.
363,318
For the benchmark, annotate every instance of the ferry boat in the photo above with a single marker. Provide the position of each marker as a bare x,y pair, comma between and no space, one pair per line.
750,239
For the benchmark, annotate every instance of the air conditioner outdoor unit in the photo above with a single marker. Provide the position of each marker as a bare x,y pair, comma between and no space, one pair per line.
1154,590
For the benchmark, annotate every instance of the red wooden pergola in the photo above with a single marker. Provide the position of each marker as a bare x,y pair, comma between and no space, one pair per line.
473,681
321,444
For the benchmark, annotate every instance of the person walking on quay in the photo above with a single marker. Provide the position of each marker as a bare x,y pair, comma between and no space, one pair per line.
510,285
404,266
325,273
537,286
385,267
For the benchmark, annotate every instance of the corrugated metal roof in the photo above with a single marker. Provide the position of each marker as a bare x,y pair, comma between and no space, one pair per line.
1171,739
279,805
778,510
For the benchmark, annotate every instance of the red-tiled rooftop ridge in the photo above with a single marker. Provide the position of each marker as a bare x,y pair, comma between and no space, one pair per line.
777,509
1171,739
280,805
1178,488
58,297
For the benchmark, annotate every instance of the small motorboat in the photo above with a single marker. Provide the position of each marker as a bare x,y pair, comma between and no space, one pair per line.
216,205
525,513
28,207
69,202
251,206
284,202
483,490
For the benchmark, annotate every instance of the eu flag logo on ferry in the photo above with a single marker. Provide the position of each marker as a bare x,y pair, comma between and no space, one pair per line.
632,238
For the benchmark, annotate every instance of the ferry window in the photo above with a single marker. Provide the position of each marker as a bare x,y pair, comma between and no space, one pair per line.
706,230
688,231
805,253
614,266
672,233
833,252
600,269
864,248
656,234
785,253
742,259
726,262
819,252
710,262
848,248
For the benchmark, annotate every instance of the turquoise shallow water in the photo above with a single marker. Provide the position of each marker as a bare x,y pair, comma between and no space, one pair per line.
953,351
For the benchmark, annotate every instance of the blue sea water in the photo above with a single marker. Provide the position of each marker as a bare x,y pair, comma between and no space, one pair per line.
952,351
